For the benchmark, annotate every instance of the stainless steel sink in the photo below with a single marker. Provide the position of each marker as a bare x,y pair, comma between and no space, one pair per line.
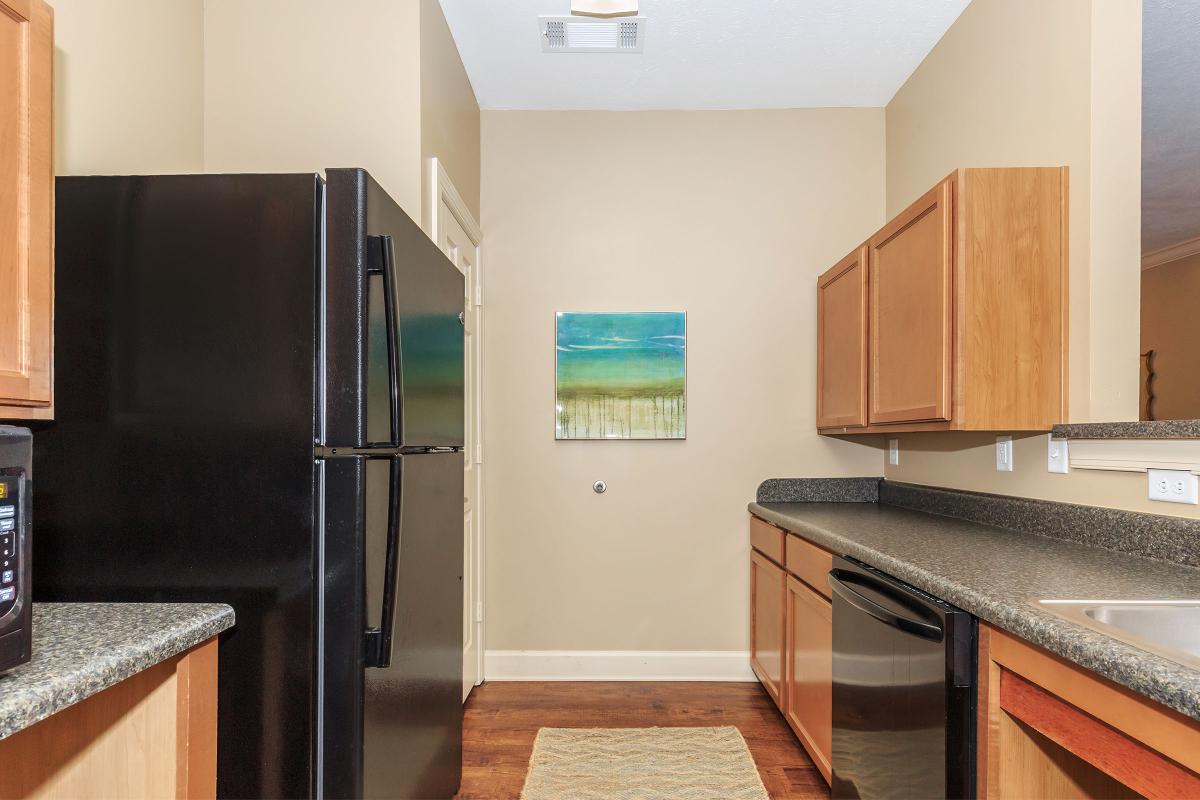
1170,628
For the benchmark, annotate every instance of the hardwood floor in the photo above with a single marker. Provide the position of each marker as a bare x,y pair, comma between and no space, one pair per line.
502,720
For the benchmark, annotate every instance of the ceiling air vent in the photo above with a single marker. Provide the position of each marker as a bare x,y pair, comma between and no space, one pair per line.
592,35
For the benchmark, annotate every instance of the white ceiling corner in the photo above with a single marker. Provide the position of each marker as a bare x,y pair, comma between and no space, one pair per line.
704,54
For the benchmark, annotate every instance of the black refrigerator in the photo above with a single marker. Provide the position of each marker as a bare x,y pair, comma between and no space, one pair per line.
259,401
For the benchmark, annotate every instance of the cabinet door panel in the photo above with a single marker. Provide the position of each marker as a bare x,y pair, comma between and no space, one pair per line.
26,203
809,684
842,343
767,586
911,279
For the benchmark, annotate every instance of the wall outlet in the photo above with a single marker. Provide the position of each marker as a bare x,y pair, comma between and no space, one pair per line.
894,452
1174,486
1057,459
1004,454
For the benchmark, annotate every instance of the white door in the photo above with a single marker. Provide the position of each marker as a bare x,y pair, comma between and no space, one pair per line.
452,222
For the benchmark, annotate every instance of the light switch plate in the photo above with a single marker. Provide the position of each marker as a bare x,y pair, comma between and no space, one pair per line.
1057,458
894,452
1004,454
1174,486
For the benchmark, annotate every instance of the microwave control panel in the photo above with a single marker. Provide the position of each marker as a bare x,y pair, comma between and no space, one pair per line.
10,542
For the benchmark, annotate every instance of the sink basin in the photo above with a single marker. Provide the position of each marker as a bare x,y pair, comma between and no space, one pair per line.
1170,628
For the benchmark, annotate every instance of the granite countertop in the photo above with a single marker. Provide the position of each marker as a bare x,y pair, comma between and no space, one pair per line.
997,574
80,649
1157,429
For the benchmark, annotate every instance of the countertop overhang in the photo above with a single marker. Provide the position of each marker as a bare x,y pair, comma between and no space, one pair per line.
81,649
998,575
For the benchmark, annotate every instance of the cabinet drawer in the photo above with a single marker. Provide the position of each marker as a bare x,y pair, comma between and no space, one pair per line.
767,539
809,563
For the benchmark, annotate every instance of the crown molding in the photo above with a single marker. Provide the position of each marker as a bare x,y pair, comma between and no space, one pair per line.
1165,255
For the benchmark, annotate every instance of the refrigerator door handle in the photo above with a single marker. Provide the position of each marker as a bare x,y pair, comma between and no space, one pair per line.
385,258
378,641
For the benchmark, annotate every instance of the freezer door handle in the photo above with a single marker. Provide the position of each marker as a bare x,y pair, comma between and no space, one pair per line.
916,627
378,643
383,262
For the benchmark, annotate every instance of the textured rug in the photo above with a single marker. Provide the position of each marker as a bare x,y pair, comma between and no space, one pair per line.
642,764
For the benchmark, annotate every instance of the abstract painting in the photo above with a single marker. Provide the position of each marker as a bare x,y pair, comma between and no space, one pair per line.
621,375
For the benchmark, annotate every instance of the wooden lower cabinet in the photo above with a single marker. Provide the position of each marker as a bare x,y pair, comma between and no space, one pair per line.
808,682
1050,729
153,735
767,587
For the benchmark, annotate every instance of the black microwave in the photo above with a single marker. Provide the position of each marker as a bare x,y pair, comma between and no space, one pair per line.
16,608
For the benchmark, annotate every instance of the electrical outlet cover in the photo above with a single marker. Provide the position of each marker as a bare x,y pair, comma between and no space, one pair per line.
1057,458
1174,486
1004,454
894,452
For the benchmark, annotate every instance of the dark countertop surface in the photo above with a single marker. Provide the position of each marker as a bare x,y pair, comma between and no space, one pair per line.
1158,429
80,649
998,575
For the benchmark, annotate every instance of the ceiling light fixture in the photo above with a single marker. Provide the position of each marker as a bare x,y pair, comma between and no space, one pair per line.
604,8
592,35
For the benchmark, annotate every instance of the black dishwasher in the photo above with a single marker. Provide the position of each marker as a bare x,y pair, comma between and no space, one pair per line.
903,689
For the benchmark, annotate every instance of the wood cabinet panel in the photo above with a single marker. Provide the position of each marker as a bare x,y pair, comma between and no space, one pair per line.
842,343
1048,728
911,278
767,539
1011,292
767,590
809,563
808,696
152,735
26,209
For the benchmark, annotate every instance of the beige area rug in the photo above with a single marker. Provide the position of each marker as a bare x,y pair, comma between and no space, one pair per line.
642,764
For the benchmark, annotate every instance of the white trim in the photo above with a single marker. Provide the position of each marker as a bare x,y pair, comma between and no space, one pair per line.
618,665
441,189
1135,455
1175,252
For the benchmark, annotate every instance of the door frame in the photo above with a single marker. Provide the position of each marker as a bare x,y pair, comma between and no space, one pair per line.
442,190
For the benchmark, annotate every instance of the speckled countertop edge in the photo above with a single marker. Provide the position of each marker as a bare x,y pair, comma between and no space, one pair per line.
81,649
1157,429
1168,682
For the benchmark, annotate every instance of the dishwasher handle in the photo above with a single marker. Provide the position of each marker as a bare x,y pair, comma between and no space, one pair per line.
915,627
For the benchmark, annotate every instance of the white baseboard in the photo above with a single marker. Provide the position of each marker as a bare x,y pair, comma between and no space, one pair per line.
617,665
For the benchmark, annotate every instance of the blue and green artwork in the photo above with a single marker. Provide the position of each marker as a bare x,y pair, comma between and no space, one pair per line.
621,375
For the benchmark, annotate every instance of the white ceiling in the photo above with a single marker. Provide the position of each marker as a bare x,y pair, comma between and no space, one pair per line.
1170,123
704,54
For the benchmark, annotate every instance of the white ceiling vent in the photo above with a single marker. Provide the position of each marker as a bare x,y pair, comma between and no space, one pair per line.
592,35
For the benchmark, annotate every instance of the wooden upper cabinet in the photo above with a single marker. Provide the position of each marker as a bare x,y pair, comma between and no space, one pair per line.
966,310
911,279
842,343
26,210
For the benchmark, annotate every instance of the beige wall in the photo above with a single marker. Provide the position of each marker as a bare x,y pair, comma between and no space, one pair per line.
128,84
1171,327
968,461
729,216
295,85
449,111
1030,82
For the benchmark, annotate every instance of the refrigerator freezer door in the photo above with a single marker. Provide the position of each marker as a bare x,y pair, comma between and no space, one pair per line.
371,243
412,708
